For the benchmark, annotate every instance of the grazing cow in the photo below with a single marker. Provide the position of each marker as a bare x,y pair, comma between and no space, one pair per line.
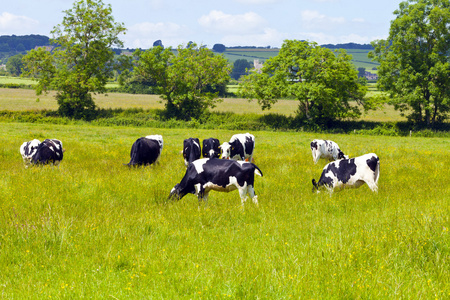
191,150
146,150
27,150
240,147
352,172
327,150
49,151
206,174
211,148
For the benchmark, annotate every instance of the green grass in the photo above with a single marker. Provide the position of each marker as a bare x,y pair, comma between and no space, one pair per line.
93,228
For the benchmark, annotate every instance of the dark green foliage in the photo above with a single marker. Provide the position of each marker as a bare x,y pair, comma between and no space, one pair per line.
415,69
14,65
240,68
219,48
250,122
22,43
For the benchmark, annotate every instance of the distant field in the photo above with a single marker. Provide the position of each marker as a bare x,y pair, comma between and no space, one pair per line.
23,99
360,59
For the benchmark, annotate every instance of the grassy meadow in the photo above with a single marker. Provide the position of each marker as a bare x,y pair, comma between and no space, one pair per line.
93,228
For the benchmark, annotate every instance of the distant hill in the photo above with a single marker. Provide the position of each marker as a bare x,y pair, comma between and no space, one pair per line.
14,43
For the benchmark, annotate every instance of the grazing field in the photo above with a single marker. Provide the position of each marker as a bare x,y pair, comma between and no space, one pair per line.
93,228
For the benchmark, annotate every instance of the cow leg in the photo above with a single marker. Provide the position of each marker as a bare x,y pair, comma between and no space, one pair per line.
243,193
251,192
373,186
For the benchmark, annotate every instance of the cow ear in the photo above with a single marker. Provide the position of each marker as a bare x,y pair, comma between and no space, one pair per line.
232,148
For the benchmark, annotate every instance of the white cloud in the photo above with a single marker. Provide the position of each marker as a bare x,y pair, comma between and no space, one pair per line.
17,24
143,35
312,19
219,22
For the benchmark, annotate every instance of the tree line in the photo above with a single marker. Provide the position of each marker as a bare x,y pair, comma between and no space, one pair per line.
414,69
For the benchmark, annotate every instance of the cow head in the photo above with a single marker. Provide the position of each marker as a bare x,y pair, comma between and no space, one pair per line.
226,150
341,155
177,192
315,186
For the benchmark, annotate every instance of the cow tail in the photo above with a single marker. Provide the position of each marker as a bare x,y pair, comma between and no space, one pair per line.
257,170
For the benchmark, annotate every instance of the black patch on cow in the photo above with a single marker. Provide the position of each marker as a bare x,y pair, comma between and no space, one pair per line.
211,144
372,163
49,151
144,152
342,170
314,145
191,149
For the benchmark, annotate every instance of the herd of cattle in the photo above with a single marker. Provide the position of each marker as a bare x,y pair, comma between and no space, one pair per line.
225,167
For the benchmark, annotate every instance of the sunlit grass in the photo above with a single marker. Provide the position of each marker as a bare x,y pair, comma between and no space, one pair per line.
94,228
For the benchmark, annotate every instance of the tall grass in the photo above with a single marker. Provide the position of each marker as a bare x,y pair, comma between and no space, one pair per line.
93,228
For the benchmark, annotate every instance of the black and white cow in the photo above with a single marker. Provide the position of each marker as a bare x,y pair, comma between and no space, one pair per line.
49,151
350,173
191,150
28,150
206,174
211,148
146,150
240,147
327,150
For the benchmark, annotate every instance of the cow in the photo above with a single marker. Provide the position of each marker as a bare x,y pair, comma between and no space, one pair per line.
27,150
146,150
211,148
327,150
240,147
206,174
350,173
191,150
49,151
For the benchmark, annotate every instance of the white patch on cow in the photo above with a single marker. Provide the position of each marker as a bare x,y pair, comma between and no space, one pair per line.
31,148
198,187
198,164
225,150
156,137
211,152
196,144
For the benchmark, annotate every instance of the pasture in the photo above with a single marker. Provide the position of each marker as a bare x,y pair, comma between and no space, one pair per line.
93,228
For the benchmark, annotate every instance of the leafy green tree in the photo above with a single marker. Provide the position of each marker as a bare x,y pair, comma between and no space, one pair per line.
323,82
14,65
83,60
240,68
361,72
414,61
188,81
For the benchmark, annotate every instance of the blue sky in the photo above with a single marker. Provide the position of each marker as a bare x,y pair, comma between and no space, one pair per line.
208,22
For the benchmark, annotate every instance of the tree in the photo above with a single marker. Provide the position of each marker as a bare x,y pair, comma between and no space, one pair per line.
220,48
240,68
188,81
158,43
83,60
414,61
14,65
322,81
361,72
